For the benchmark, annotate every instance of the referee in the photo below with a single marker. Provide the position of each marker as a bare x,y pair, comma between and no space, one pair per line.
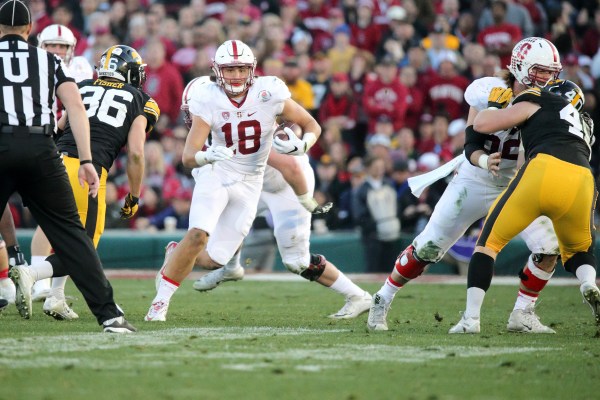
30,164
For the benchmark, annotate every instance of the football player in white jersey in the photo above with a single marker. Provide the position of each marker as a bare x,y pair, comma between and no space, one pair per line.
239,111
467,199
291,217
56,39
292,232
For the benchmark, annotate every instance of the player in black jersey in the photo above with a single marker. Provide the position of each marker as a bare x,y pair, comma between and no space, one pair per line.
555,181
120,114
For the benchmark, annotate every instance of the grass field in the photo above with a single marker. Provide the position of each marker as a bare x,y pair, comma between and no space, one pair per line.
273,340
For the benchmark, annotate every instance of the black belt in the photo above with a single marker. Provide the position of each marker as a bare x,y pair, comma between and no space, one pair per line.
46,130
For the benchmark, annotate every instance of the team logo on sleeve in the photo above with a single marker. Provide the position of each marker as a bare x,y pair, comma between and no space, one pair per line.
225,115
264,96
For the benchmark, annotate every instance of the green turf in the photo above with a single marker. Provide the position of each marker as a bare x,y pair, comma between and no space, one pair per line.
273,340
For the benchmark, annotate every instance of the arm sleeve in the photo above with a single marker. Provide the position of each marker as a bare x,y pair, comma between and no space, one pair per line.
473,141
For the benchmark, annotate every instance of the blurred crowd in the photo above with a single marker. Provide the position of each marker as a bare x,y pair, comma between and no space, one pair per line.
384,78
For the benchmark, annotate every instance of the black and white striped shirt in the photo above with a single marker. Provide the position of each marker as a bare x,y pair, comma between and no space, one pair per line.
29,77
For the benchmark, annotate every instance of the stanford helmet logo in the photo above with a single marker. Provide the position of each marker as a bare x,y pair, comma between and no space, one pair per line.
524,50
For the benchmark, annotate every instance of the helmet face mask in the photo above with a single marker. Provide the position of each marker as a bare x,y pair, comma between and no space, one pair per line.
568,90
534,62
123,63
232,54
58,34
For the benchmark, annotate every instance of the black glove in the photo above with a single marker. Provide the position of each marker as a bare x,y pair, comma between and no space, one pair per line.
130,207
15,256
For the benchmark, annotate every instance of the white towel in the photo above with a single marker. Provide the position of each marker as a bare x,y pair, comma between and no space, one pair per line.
418,183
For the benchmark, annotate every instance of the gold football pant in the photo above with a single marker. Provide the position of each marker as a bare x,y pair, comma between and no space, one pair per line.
545,185
92,211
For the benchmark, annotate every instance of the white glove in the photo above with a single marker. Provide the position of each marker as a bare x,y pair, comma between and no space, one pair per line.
294,146
311,205
214,153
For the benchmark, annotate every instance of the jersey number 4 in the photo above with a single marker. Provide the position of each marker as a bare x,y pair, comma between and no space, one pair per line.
109,106
248,133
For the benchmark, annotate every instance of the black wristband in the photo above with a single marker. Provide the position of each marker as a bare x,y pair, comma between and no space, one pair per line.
81,162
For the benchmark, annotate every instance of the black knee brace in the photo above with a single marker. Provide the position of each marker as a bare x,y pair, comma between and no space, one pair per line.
316,267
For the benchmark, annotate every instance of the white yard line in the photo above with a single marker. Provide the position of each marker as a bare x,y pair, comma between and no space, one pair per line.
64,351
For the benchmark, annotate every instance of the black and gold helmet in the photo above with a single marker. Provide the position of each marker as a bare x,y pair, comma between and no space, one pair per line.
123,63
568,90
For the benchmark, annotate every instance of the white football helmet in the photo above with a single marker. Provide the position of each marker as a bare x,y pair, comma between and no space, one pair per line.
58,34
229,54
187,95
532,54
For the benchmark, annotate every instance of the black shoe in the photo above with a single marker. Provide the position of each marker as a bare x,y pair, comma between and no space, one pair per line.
3,304
118,325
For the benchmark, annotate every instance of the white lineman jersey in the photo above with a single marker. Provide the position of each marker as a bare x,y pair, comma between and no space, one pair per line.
247,127
472,191
291,221
226,194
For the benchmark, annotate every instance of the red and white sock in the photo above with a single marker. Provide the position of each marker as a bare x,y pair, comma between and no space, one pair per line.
4,274
389,289
166,288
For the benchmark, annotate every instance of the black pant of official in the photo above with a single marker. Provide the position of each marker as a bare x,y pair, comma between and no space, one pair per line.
30,164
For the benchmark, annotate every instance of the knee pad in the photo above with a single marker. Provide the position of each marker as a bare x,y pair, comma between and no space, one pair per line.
316,267
408,265
296,264
540,259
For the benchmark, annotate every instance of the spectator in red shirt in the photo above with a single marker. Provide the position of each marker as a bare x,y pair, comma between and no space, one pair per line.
316,20
163,83
385,95
40,16
365,34
591,38
416,96
446,91
339,106
500,37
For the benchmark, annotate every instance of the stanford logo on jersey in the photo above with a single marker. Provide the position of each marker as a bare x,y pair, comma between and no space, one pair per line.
225,115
